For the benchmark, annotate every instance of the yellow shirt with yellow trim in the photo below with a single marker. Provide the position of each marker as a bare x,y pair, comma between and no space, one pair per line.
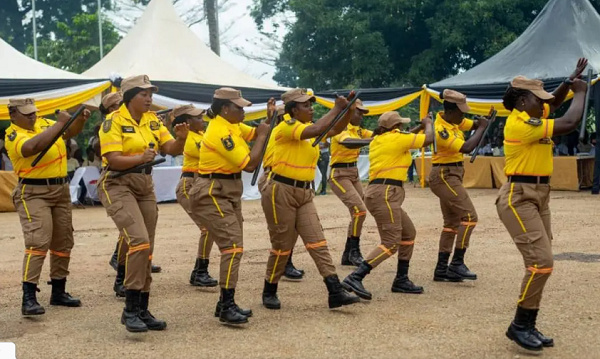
450,139
269,151
528,145
293,157
342,154
191,152
52,165
224,149
121,133
389,154
248,132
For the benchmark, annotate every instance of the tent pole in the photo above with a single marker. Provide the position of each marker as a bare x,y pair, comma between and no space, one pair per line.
596,182
100,29
35,54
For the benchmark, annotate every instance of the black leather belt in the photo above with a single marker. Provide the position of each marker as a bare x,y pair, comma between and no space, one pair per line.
529,179
233,176
44,181
146,171
453,164
187,174
291,181
393,182
344,165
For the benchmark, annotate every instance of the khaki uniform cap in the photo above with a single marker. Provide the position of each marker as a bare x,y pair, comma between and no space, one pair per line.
458,98
361,107
535,86
280,110
112,99
297,95
25,106
233,95
187,110
390,119
140,81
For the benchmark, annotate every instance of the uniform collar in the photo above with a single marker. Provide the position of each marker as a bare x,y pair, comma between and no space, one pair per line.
352,128
234,128
36,126
521,115
124,112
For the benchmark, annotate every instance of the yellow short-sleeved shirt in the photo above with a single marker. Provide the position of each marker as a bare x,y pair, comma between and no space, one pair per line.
342,154
389,154
450,139
52,165
223,148
293,157
248,132
191,152
270,150
121,133
528,145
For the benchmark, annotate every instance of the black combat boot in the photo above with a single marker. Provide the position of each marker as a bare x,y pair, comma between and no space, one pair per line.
202,278
245,312
194,271
119,280
401,283
353,282
60,297
131,312
229,310
156,269
546,341
30,305
352,255
521,330
114,259
338,296
458,267
269,296
441,273
147,317
291,273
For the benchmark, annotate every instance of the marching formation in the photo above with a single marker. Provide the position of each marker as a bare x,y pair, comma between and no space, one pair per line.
286,146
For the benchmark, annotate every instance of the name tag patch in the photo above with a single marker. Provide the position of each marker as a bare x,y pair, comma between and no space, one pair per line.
127,129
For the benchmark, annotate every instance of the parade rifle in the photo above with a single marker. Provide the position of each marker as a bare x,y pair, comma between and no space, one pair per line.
138,168
162,112
264,149
336,119
493,114
434,143
63,130
587,101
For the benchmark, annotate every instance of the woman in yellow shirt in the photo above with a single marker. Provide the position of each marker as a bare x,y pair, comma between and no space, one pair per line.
217,191
191,156
523,201
131,137
390,158
288,196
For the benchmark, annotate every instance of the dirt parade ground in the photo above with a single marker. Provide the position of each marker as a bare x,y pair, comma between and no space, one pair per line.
450,320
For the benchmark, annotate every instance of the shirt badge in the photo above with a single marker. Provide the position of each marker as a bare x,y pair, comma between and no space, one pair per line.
444,134
12,136
534,122
106,125
154,125
228,143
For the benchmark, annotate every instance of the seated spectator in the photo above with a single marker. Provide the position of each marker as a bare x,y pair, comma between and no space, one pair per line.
72,164
92,160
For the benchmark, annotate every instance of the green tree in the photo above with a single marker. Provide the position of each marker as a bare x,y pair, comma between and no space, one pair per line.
76,47
377,43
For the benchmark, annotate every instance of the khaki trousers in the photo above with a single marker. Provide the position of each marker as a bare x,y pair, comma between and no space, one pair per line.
290,212
460,217
396,230
524,210
183,198
345,183
217,204
130,202
45,215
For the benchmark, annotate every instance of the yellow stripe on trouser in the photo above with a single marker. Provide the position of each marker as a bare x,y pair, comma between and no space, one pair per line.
204,246
512,187
25,204
235,250
30,252
336,182
184,191
447,184
214,199
462,245
384,251
124,230
356,216
388,203
533,271
278,253
273,202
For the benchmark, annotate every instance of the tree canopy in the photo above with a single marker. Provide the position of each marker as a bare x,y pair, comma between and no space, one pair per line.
379,43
